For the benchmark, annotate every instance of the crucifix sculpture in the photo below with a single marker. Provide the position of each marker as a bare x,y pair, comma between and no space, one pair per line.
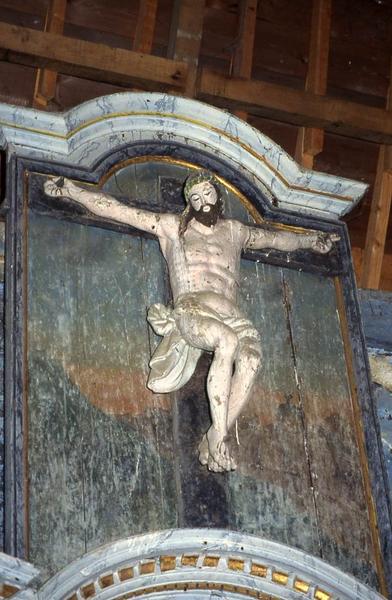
202,250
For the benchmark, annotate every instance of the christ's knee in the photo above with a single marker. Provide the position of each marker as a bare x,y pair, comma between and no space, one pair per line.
227,345
249,360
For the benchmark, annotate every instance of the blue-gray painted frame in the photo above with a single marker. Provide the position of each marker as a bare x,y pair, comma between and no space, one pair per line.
15,384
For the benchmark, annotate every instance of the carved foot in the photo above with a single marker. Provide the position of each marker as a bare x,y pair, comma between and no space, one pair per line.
203,450
214,452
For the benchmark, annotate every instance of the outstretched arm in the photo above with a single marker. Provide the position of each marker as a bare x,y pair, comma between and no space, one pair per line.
106,206
288,241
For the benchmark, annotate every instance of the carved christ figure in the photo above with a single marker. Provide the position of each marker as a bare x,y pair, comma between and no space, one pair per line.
202,250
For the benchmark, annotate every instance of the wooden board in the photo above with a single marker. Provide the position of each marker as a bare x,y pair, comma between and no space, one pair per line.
100,444
2,236
86,59
376,311
289,105
270,432
100,439
332,446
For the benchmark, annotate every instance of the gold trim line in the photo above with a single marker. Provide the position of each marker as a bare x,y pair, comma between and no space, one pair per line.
220,132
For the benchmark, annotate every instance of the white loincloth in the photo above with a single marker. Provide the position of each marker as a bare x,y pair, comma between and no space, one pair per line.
174,360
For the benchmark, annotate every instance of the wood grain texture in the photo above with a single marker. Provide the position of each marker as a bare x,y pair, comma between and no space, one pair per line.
289,105
100,452
270,432
46,80
242,60
380,209
186,32
334,456
378,222
112,449
145,25
2,236
310,140
87,59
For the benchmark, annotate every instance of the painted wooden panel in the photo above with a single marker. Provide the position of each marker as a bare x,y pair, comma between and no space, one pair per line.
331,443
2,239
273,461
299,476
376,309
100,449
107,458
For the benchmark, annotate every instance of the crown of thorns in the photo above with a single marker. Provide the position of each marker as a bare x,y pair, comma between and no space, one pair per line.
197,178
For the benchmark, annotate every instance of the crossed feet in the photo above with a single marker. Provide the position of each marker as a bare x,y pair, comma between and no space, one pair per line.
214,452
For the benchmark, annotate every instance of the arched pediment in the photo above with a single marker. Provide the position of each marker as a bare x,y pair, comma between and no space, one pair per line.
89,132
79,288
198,563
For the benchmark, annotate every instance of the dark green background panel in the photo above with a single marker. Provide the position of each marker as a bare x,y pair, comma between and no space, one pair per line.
107,458
100,443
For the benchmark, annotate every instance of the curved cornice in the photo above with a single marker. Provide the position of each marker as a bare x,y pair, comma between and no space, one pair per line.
180,561
85,134
17,578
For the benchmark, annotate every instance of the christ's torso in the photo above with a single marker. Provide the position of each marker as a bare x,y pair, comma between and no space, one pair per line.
205,260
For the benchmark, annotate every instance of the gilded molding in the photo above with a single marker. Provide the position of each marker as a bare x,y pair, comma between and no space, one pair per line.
182,561
86,133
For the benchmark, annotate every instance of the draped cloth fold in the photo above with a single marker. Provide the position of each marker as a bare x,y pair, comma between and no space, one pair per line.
174,360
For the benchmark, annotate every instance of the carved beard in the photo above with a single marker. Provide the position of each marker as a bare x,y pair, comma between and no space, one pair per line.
209,218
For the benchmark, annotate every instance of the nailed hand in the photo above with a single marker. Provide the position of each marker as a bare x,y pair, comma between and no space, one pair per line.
323,242
58,187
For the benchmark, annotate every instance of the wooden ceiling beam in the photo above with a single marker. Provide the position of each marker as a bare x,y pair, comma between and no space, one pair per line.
185,37
126,68
243,55
310,140
281,103
145,26
386,272
380,211
89,60
46,80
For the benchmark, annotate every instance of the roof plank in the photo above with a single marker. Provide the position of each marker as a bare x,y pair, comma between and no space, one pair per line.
46,80
298,107
186,35
310,140
243,55
145,26
380,209
89,60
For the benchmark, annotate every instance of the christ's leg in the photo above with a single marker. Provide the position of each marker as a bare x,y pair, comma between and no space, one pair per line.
247,365
218,388
246,368
210,334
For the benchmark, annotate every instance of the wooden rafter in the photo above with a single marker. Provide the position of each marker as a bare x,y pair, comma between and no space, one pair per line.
243,55
145,26
127,68
46,80
297,107
310,139
89,60
185,37
379,213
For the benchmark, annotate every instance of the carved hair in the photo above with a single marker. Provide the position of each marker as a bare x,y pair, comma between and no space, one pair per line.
190,182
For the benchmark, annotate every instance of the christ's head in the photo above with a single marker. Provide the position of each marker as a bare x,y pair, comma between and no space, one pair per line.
203,198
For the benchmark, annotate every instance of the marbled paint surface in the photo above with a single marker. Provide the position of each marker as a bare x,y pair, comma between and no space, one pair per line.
86,133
